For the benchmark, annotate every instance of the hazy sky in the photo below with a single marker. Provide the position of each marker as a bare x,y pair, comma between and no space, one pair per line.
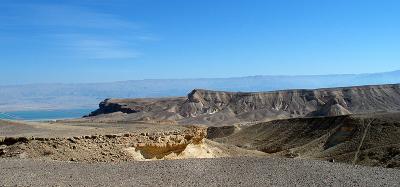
104,40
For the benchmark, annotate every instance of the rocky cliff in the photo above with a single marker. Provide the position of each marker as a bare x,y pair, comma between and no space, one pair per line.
218,108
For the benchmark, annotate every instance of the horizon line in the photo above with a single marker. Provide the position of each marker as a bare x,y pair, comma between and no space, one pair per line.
199,78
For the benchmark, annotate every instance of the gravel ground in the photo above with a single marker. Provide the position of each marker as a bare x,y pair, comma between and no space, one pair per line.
194,172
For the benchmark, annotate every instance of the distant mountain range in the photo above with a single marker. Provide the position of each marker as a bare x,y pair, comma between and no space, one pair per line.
88,95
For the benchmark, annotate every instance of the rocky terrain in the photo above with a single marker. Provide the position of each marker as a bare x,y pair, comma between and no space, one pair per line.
188,142
355,125
371,140
337,128
227,108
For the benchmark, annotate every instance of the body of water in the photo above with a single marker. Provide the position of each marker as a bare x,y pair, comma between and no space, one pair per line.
37,115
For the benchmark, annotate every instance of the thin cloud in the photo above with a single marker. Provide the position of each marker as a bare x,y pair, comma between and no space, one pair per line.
82,32
99,49
78,17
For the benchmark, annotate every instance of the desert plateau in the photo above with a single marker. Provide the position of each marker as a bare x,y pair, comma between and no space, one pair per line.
356,129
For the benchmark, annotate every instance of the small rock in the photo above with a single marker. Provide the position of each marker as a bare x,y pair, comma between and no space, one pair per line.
111,136
72,140
3,151
39,139
23,155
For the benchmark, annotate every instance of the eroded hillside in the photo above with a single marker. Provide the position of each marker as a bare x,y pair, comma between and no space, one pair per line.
371,139
226,108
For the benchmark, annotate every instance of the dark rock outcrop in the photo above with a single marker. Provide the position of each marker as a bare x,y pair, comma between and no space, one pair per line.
109,106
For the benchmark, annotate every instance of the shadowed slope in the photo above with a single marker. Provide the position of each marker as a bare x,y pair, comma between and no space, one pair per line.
371,139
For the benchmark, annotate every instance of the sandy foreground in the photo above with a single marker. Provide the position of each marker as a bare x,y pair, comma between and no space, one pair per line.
244,171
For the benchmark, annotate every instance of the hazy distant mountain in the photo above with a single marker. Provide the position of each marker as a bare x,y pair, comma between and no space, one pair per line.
88,95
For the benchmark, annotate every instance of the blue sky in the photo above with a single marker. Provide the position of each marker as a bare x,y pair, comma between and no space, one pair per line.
100,40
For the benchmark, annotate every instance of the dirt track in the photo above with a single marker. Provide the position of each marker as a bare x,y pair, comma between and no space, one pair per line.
195,172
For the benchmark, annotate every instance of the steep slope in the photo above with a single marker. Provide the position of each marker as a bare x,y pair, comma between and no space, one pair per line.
332,108
223,108
370,139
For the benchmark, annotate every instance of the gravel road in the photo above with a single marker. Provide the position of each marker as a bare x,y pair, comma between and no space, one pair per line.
194,172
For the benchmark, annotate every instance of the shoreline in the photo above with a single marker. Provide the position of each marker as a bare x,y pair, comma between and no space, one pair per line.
45,115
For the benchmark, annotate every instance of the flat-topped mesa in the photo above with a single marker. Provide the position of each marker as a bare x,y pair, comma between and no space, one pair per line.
206,106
